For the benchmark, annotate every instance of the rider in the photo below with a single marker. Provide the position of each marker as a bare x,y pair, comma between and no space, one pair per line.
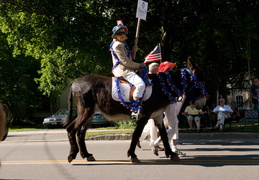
123,64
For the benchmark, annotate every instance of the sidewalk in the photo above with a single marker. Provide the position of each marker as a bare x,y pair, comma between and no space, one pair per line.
61,135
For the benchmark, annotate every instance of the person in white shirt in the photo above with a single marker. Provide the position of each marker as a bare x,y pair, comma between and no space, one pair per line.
170,119
150,128
223,112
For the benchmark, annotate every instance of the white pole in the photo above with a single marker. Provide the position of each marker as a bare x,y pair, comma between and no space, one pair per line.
137,32
136,37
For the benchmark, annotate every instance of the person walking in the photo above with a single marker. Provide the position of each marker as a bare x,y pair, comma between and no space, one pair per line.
255,94
170,119
150,128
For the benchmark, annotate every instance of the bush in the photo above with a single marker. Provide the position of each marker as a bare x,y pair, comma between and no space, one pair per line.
128,124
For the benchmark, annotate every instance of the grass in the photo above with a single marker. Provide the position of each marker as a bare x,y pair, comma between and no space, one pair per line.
124,129
102,133
25,127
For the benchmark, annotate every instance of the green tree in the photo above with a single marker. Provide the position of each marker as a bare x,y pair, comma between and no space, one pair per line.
71,37
17,82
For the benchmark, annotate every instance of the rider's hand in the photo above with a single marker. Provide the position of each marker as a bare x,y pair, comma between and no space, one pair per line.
142,65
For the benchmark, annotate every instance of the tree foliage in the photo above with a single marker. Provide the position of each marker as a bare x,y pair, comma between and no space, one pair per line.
17,81
71,37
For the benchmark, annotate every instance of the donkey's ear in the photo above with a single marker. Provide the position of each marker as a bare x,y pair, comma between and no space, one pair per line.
191,65
195,69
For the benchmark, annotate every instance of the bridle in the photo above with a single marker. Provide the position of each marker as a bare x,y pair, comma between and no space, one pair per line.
174,89
196,83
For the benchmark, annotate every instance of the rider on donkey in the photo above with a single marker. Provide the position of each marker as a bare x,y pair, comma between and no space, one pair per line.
123,64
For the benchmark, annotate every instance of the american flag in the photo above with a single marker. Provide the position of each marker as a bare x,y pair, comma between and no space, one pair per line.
154,55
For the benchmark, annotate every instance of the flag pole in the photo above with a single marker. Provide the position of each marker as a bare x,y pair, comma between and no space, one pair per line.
160,51
137,32
136,37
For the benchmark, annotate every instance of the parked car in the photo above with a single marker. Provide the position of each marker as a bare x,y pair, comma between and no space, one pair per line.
57,119
100,121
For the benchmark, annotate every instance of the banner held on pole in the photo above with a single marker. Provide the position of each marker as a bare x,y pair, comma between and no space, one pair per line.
141,14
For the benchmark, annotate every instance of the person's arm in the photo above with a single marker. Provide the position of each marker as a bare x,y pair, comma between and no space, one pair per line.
201,112
216,109
185,111
254,97
228,110
253,93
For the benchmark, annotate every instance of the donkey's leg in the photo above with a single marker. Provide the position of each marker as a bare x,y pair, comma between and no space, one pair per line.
72,140
86,109
81,142
74,127
135,137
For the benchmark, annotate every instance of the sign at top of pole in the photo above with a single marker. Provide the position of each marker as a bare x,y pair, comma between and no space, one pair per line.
142,10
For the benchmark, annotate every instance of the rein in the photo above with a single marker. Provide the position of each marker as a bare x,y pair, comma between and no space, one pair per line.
173,88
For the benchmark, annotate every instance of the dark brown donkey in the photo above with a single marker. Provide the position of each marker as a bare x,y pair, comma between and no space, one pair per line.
3,122
92,93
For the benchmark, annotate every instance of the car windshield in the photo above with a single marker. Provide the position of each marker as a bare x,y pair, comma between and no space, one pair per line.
61,112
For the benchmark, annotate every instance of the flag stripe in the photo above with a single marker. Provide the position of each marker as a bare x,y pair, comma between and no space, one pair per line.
153,58
154,55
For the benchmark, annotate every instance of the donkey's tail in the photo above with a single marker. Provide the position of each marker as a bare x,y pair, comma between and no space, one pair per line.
70,109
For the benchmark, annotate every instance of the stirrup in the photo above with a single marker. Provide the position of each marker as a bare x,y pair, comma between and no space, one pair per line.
135,116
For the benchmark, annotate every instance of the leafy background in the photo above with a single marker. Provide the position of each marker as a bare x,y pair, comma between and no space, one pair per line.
46,44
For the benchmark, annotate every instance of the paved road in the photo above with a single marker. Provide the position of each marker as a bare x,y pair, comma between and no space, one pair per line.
42,155
60,135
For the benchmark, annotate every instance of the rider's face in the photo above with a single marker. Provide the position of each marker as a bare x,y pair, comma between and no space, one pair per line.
121,35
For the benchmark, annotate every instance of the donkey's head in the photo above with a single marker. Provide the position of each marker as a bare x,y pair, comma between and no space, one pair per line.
196,90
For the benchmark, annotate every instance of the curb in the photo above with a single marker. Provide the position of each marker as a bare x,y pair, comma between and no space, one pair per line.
185,136
111,137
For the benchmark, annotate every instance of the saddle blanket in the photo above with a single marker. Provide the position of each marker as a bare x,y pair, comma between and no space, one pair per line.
125,91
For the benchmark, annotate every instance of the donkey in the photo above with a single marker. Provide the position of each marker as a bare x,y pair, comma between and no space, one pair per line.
3,122
93,92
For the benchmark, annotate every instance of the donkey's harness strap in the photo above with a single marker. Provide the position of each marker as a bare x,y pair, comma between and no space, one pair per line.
115,55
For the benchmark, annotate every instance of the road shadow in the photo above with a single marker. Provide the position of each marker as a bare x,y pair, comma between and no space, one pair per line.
220,142
224,149
205,161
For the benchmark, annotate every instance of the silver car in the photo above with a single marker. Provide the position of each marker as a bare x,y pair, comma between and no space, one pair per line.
57,119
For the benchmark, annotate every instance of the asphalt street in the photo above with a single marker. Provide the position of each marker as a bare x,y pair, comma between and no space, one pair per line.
42,154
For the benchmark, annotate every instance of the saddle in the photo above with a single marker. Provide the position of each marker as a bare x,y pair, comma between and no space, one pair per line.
127,90
132,88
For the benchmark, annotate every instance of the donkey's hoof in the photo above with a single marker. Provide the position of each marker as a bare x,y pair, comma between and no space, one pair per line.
90,158
70,158
135,160
174,157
